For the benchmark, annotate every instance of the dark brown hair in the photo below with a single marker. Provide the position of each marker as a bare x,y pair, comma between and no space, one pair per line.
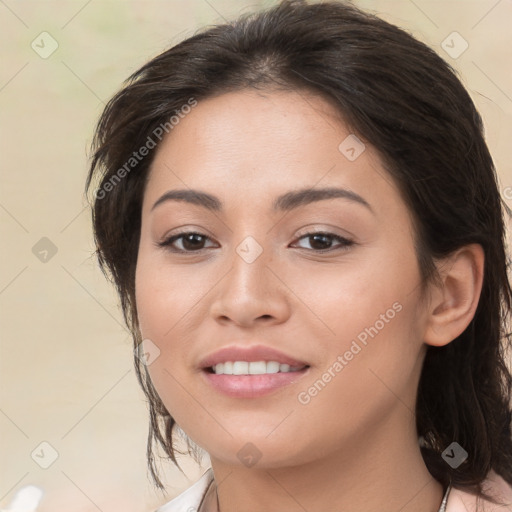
398,95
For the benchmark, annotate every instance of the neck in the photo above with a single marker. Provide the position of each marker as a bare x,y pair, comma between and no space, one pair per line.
383,472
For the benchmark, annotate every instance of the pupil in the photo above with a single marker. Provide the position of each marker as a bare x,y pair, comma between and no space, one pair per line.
190,239
316,238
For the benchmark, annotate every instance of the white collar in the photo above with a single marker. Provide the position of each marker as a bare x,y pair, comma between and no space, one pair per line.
454,500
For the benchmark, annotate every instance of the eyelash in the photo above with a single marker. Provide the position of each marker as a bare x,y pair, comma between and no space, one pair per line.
167,243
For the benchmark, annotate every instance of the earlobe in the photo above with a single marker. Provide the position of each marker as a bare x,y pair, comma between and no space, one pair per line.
454,302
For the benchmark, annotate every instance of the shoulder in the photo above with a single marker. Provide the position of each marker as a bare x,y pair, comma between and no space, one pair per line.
189,499
495,485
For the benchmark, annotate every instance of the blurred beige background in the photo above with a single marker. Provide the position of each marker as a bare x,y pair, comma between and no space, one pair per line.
67,376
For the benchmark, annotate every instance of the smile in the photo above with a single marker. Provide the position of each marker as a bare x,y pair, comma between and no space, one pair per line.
253,368
252,385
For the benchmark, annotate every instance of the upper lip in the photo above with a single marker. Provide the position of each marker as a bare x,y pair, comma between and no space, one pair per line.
248,353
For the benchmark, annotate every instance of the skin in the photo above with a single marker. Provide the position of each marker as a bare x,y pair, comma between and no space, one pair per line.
354,445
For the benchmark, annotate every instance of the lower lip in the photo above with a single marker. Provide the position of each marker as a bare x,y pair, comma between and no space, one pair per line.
252,386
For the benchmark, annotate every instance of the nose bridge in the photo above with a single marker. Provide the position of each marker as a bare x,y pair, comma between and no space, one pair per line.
249,290
249,272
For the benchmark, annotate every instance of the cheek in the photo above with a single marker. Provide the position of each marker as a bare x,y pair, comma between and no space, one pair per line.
170,308
369,334
165,295
370,371
160,305
346,300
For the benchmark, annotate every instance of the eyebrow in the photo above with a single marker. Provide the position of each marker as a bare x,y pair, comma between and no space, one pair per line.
286,202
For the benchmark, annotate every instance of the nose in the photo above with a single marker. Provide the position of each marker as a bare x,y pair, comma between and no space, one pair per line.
251,293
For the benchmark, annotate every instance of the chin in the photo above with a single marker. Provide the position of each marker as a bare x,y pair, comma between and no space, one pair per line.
255,452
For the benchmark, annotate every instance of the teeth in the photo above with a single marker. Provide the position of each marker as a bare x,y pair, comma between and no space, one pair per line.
240,367
252,368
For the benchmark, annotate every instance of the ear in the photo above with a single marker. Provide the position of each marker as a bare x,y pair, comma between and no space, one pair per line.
454,301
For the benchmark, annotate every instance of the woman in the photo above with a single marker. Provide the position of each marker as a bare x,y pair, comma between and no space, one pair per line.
302,219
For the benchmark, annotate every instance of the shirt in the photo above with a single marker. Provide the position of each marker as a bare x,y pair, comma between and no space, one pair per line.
454,500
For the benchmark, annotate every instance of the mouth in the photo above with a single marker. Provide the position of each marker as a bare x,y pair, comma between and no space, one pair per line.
252,379
253,368
250,371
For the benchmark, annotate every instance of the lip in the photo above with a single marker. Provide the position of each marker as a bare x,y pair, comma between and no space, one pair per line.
251,354
252,386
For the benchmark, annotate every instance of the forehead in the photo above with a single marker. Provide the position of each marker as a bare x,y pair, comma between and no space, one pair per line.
256,142
247,124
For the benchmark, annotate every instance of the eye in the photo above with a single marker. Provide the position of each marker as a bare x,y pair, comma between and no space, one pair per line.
322,242
190,241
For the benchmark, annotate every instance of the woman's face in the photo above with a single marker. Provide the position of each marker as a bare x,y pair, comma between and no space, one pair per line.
345,304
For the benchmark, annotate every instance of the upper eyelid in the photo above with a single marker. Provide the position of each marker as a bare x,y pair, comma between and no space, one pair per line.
308,233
